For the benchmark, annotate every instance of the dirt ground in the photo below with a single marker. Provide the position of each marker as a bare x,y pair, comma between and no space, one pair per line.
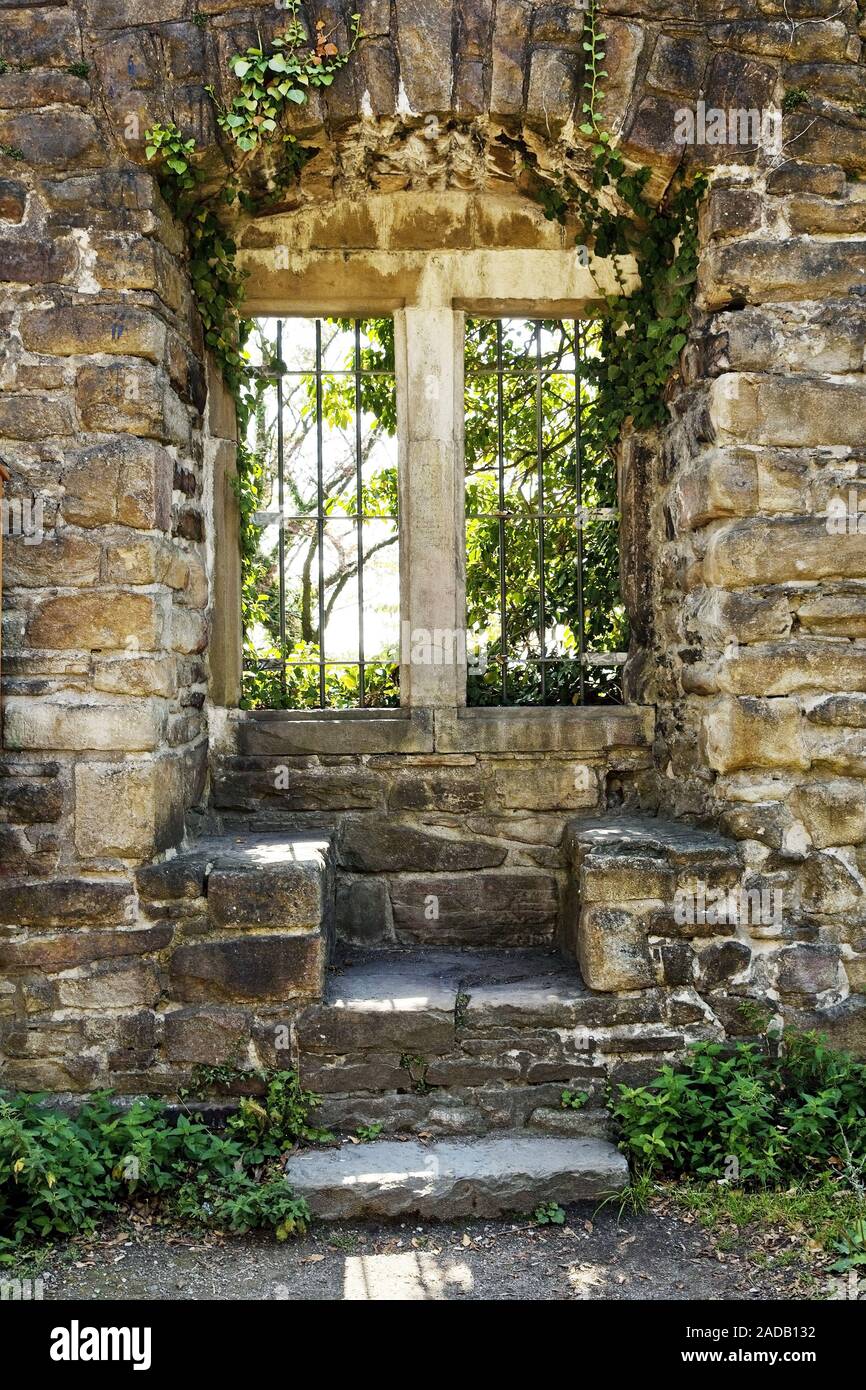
662,1254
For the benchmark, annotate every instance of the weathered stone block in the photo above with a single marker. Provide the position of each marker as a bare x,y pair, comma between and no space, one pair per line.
424,46
119,807
362,909
723,961
13,200
613,878
70,902
79,722
30,800
127,481
377,1071
789,548
677,65
249,968
480,909
830,886
453,789
740,733
135,399
612,946
770,270
373,845
283,895
99,328
58,560
791,410
180,877
839,711
411,1025
833,811
35,417
553,786
54,140
111,985
808,969
51,954
30,262
135,675
211,1036
98,620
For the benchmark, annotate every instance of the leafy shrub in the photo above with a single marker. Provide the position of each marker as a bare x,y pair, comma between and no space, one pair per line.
236,1203
266,1128
794,1113
60,1173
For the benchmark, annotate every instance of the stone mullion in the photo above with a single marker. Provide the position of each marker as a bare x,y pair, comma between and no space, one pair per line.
429,351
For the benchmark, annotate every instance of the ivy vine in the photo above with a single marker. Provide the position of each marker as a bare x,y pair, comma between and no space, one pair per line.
644,329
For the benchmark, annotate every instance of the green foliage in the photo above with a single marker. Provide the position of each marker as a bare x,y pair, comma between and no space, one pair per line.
550,1214
265,686
788,1114
851,1247
645,329
794,98
564,409
79,70
634,1198
268,1127
238,1204
417,1069
60,1173
573,1100
272,81
366,1133
11,152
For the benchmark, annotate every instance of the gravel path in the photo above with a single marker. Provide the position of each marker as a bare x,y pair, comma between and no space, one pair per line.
659,1255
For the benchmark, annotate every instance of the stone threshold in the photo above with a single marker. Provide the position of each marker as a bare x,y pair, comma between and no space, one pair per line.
579,729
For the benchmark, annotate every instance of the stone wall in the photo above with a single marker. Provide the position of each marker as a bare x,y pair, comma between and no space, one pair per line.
747,614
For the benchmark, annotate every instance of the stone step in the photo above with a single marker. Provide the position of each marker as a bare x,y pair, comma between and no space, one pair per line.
449,1042
252,914
629,877
455,1177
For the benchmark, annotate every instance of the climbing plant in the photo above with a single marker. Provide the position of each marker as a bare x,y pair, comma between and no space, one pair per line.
645,327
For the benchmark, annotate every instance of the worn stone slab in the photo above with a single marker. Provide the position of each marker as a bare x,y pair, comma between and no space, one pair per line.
331,732
387,1001
377,845
249,968
483,909
579,729
453,1178
587,1123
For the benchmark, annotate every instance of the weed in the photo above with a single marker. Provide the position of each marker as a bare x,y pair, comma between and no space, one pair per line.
368,1132
573,1100
549,1214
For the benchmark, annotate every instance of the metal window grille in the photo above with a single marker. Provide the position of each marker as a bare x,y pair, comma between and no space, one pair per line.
541,521
326,455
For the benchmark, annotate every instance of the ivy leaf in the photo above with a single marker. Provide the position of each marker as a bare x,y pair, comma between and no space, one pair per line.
585,129
241,67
